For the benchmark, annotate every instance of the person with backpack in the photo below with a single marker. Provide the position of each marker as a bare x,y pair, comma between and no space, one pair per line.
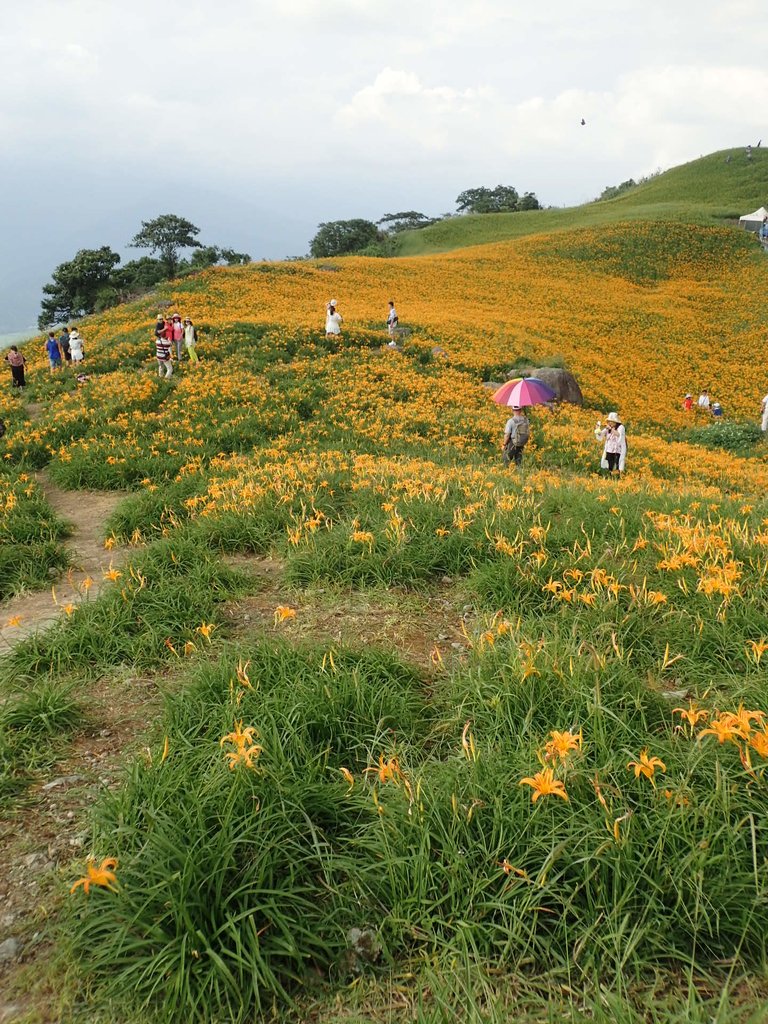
516,434
64,344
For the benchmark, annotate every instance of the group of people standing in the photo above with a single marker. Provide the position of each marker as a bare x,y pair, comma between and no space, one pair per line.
67,348
171,332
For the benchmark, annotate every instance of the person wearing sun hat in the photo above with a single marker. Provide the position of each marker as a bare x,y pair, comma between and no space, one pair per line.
516,434
333,319
190,340
614,438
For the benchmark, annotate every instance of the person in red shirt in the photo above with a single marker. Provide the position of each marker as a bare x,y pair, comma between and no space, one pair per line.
688,403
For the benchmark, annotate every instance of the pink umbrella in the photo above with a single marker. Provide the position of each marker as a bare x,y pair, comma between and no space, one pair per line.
524,391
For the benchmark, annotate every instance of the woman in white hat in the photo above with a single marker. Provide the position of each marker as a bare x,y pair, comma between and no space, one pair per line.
333,319
614,440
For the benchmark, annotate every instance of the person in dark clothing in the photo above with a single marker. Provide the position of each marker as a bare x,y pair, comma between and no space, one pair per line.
64,345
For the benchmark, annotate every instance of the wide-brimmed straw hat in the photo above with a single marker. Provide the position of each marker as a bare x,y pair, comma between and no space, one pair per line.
613,417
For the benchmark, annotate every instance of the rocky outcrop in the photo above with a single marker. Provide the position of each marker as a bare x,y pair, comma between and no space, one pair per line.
563,383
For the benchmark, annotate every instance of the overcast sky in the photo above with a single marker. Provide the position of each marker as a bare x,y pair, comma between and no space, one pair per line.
257,119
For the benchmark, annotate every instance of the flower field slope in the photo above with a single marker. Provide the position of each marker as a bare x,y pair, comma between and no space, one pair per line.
558,811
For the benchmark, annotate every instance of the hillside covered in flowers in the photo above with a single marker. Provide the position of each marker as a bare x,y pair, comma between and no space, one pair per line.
438,736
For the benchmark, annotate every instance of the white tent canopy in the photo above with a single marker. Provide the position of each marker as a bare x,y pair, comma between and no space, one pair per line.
753,221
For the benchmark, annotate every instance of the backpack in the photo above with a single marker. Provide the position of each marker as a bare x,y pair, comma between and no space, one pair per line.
519,434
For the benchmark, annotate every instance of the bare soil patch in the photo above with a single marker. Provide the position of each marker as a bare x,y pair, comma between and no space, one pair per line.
413,624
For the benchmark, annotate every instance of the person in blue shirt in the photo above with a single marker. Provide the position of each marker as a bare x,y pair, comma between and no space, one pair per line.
54,352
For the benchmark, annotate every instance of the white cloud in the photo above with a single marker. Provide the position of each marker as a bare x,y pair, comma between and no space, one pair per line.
401,103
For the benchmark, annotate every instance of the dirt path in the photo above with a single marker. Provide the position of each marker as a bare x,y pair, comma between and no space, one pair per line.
87,512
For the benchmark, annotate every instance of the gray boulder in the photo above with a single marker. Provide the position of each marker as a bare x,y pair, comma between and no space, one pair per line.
564,384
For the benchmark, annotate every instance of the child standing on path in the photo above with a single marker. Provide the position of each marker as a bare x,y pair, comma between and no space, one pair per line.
16,361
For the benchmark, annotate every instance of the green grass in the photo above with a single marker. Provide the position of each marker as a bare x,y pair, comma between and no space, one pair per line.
36,720
706,191
239,888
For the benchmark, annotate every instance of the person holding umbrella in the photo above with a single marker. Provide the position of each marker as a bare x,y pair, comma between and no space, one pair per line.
614,440
516,434
517,393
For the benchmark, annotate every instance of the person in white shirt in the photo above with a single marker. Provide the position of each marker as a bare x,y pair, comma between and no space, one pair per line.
392,319
333,320
614,438
764,411
703,402
76,345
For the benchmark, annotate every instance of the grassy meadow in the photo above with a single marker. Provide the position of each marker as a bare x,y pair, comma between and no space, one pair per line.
545,799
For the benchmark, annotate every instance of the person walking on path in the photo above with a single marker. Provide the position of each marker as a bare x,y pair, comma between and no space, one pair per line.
190,340
392,320
333,320
76,345
177,333
516,434
703,402
64,345
614,438
54,352
16,361
160,326
163,353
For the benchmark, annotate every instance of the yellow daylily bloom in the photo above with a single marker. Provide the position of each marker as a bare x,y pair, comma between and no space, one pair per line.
103,875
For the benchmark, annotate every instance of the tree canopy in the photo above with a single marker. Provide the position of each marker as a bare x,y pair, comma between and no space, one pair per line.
77,286
502,199
166,235
407,220
336,237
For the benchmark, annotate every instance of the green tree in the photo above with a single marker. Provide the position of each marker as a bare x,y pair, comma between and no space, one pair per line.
77,286
210,255
165,236
408,220
336,237
502,199
611,191
528,201
137,275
